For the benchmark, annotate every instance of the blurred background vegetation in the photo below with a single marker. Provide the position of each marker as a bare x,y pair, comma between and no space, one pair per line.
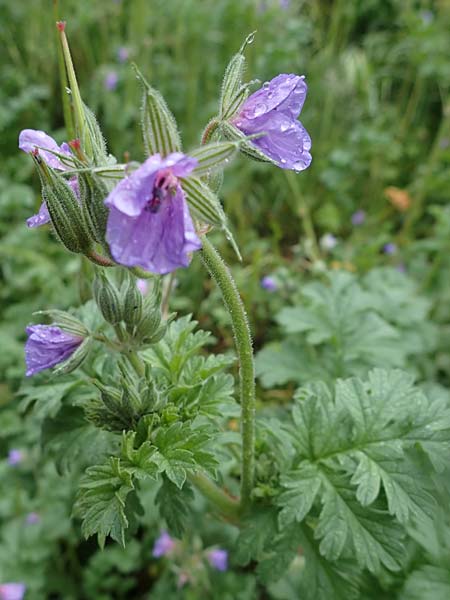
378,112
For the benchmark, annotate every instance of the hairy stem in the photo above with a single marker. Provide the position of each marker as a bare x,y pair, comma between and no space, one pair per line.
98,259
242,337
226,505
136,362
209,130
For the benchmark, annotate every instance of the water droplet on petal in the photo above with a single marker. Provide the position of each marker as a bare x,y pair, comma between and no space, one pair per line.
266,84
283,161
260,109
299,165
285,125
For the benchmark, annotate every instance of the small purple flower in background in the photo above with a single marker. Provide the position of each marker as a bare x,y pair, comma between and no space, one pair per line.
269,283
32,518
444,143
111,81
15,457
163,545
123,54
149,224
285,4
12,591
47,346
390,248
328,241
29,139
274,110
358,217
218,559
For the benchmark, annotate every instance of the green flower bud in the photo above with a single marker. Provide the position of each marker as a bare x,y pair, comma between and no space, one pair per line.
107,298
132,305
64,208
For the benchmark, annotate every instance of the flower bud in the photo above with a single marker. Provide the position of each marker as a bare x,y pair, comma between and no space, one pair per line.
64,209
107,298
132,304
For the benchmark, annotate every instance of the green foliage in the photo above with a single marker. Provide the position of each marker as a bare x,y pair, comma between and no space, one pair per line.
356,482
345,326
377,113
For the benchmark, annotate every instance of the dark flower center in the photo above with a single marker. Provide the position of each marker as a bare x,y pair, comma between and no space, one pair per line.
164,187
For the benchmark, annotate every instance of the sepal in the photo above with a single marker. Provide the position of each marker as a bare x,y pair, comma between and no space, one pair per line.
65,321
212,156
76,359
245,146
159,128
203,202
93,191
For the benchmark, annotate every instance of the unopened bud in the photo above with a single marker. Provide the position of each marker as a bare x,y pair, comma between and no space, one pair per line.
64,209
132,304
108,299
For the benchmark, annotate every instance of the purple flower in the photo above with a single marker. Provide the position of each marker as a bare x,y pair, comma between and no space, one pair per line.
149,224
444,143
390,248
269,283
32,518
12,591
111,81
163,545
218,559
274,110
123,54
284,4
15,457
358,217
29,139
47,346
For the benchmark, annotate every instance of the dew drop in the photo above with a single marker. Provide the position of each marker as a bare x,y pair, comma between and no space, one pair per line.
283,161
266,84
285,125
299,165
260,109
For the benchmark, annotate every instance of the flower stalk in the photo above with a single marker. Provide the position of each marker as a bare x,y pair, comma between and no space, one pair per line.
242,336
227,506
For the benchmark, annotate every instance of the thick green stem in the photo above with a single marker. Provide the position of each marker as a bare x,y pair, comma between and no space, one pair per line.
227,506
222,276
136,362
